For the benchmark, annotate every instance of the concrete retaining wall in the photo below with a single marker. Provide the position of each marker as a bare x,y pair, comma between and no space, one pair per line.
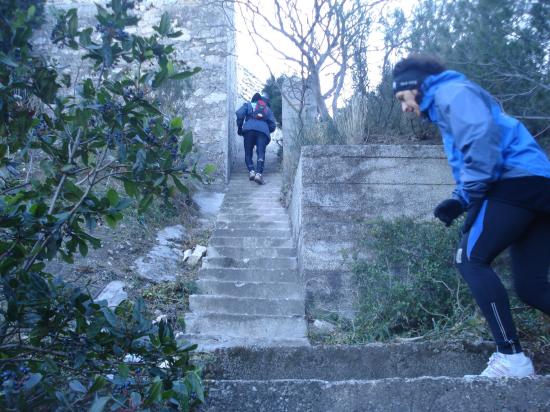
336,188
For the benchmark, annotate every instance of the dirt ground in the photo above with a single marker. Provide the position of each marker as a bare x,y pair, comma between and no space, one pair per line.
132,239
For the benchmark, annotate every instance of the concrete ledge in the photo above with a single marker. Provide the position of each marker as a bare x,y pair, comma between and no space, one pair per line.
396,394
337,188
345,362
374,150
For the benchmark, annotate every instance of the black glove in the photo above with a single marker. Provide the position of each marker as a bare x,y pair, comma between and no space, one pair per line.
448,210
240,131
473,210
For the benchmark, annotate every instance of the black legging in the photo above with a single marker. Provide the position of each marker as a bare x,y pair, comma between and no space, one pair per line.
253,138
498,226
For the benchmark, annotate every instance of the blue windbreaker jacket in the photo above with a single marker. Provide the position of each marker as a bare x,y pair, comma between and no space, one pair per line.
482,143
244,114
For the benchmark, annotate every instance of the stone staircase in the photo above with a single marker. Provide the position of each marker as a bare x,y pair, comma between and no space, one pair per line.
378,377
249,316
249,294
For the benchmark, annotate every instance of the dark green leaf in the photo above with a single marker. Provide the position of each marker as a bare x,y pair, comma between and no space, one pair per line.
131,188
164,26
112,195
187,144
77,386
181,187
32,381
99,404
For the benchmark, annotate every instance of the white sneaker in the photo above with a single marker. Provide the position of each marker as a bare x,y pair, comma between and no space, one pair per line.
251,175
501,365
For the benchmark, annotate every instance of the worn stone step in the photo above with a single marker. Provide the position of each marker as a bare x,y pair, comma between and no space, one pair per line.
250,242
281,222
345,362
261,290
207,343
252,190
256,217
258,211
246,326
259,262
280,233
249,275
254,225
253,202
267,197
392,394
245,306
256,252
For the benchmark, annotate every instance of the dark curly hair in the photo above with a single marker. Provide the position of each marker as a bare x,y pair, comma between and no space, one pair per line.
422,62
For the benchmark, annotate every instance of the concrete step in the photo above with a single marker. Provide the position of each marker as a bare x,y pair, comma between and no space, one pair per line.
391,394
249,275
260,290
248,189
248,216
259,211
272,199
245,306
252,203
246,326
259,262
250,242
253,225
345,362
281,233
256,252
207,343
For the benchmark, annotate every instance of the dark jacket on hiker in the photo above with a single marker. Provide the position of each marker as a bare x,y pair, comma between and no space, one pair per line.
247,122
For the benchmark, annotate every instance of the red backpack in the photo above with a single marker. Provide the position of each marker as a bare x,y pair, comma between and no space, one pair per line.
260,111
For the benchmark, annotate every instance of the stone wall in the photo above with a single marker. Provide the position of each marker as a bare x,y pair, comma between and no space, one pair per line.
207,41
338,187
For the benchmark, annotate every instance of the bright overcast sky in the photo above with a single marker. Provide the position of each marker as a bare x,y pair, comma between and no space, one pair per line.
261,62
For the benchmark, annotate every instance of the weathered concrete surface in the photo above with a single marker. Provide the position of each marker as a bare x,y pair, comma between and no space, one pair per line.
207,41
376,377
164,261
342,362
248,289
391,394
337,188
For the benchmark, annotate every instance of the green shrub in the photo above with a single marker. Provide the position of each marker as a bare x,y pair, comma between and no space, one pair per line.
408,286
60,350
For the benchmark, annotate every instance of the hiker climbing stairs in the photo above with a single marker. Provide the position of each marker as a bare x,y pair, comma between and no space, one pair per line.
249,292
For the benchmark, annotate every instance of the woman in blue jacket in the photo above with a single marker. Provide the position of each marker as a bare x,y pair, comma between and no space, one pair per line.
502,181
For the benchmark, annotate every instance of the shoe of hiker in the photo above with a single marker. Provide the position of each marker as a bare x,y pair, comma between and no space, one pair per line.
251,175
501,365
259,179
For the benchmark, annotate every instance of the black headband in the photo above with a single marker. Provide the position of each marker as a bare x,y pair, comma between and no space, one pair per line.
408,80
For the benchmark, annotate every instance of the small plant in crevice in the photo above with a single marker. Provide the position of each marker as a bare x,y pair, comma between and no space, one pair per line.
408,287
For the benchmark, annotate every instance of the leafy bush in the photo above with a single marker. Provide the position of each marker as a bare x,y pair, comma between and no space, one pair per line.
60,350
409,287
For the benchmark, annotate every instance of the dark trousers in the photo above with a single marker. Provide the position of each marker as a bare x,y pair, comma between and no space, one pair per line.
498,226
253,138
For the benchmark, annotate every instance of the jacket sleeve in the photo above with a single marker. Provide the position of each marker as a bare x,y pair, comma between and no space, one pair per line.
477,137
271,123
241,115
